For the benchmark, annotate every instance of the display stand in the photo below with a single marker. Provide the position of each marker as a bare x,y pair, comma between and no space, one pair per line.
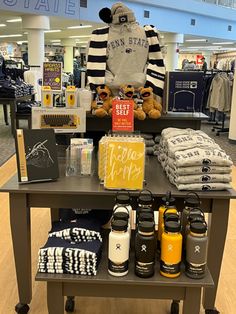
12,102
86,192
173,119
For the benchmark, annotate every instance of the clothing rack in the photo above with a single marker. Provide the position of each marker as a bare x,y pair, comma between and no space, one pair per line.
221,129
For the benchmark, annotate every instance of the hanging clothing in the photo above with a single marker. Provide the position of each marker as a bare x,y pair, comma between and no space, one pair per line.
34,77
220,93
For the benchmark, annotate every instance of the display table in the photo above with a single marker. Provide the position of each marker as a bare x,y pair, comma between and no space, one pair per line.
12,102
86,192
174,119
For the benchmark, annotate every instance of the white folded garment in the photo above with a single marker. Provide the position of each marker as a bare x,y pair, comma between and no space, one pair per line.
200,169
183,142
201,156
222,178
203,187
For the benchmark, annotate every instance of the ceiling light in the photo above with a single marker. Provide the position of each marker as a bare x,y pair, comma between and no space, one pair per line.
197,40
79,26
53,31
2,25
80,36
25,33
83,46
224,43
56,44
14,20
12,35
55,40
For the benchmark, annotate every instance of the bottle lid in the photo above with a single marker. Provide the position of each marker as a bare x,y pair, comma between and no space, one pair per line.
146,210
146,216
171,217
198,227
146,226
168,200
145,199
121,216
192,200
172,226
119,225
196,216
122,198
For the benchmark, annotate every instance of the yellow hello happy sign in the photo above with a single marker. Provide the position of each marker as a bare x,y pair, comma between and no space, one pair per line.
124,167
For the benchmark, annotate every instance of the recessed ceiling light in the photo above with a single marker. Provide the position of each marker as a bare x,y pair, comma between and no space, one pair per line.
12,35
53,31
25,33
2,25
83,46
79,26
14,20
224,43
196,40
55,40
80,36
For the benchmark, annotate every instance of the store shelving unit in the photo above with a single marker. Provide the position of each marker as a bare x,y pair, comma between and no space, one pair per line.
87,192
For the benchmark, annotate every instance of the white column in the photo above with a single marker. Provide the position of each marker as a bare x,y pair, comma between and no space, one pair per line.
69,45
232,125
172,40
35,26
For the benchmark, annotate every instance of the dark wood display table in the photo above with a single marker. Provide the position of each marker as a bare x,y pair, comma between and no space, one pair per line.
86,192
12,102
173,119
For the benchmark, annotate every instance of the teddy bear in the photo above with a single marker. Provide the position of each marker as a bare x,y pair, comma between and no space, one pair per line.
150,106
128,92
102,104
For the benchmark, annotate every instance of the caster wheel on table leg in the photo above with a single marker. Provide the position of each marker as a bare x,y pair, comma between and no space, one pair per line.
212,311
22,308
174,307
213,130
70,304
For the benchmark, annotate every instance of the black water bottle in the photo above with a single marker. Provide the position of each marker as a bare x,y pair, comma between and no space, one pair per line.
145,248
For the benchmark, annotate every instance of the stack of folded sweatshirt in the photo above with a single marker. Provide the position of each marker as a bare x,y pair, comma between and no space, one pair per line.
150,144
193,161
72,248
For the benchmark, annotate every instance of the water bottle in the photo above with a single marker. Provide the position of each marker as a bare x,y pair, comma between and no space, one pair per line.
145,248
196,250
171,250
118,249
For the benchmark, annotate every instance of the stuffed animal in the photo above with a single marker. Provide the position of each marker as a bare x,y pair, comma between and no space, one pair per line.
103,102
128,92
150,106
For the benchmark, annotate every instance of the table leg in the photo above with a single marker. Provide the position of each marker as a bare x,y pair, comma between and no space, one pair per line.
55,298
218,224
21,237
5,114
54,214
192,301
13,116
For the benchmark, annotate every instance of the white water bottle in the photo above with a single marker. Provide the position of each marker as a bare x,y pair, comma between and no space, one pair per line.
118,249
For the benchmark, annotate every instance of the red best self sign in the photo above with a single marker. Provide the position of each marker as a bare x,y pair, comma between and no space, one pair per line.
123,115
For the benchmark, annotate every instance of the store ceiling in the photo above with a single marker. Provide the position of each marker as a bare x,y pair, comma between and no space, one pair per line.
191,43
